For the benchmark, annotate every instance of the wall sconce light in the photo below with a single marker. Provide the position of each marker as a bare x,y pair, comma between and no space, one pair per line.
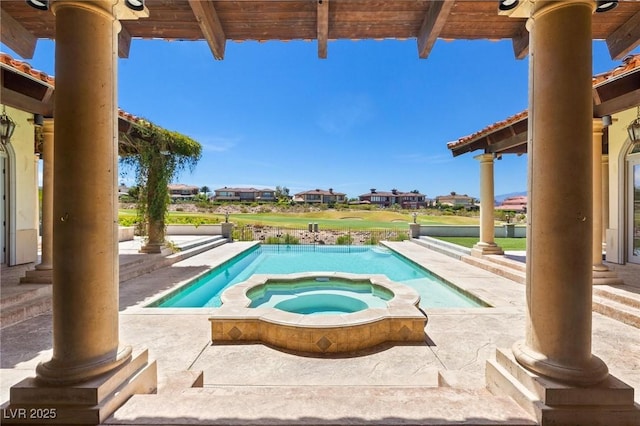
137,5
7,126
39,4
634,129
605,5
505,5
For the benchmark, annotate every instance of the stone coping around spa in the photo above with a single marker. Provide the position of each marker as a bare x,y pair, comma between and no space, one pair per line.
235,302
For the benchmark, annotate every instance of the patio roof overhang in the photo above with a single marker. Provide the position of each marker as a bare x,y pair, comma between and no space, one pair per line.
613,91
218,21
33,91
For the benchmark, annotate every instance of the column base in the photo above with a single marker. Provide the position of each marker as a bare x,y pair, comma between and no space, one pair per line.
609,403
482,249
90,402
595,371
605,276
155,248
38,276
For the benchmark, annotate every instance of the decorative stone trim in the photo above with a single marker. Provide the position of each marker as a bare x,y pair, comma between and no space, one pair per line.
400,321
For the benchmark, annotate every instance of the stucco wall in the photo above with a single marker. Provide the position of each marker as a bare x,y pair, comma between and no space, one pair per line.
23,214
618,145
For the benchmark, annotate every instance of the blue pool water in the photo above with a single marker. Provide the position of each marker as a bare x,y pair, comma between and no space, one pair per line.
280,259
319,296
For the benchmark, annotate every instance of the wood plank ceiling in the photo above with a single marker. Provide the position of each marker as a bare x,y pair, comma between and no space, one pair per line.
218,21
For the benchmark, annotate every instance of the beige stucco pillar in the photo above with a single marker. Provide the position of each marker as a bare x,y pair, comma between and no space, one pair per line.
559,253
46,260
89,374
597,196
85,292
601,273
487,244
605,196
43,273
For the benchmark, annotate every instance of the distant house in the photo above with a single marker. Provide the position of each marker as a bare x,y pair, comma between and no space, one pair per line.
456,200
406,200
516,204
249,195
320,196
179,191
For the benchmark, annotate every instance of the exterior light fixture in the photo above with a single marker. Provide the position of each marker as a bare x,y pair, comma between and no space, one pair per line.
7,126
505,5
136,5
634,129
39,4
605,6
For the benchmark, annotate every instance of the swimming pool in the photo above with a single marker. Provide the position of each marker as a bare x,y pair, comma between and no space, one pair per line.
205,291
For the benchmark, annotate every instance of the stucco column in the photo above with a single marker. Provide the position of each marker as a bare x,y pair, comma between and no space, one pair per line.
487,244
605,196
46,260
597,196
559,253
85,265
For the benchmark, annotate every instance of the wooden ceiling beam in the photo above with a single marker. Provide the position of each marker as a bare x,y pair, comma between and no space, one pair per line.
432,24
124,43
27,103
14,35
210,26
521,42
507,144
625,38
323,28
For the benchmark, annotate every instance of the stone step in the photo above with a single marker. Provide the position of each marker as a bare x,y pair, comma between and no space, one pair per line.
496,268
622,294
37,276
12,296
616,310
506,262
452,250
322,405
25,310
152,262
186,245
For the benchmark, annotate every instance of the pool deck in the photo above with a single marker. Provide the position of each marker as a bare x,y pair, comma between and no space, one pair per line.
438,382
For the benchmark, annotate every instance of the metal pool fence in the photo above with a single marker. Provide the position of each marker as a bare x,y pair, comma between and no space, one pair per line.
315,234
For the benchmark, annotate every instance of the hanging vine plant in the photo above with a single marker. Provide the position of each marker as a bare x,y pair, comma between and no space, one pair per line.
156,155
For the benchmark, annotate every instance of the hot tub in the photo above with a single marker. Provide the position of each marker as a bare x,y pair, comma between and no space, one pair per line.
319,312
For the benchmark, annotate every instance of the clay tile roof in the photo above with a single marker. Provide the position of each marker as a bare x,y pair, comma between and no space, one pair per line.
629,64
489,129
25,68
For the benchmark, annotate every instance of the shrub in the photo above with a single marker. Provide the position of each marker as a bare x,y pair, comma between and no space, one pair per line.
344,240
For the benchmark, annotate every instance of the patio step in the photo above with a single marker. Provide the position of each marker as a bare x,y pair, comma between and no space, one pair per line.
503,269
443,247
145,263
31,301
322,405
621,308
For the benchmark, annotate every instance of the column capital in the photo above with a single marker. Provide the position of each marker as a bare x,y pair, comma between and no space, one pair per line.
542,7
48,125
484,158
598,126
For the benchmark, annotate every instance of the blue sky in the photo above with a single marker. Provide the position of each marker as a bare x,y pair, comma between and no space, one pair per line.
371,115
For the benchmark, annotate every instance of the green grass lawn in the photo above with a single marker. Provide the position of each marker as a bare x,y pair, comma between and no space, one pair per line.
361,219
504,243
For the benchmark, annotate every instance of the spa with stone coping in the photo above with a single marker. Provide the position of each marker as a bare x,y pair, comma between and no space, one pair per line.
399,321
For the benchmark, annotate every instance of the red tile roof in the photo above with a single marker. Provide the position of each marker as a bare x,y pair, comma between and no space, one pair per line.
25,68
630,63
